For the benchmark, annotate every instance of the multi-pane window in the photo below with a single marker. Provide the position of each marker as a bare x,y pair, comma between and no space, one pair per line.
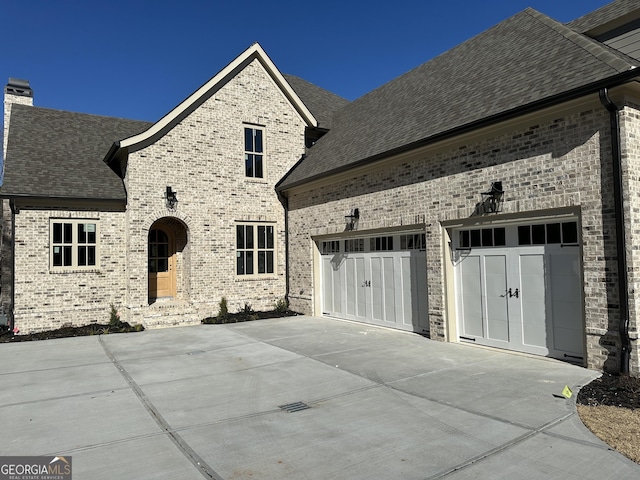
74,243
483,237
332,246
255,249
377,244
416,241
158,251
354,245
548,233
253,152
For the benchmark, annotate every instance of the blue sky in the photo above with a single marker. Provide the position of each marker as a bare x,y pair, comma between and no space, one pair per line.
138,59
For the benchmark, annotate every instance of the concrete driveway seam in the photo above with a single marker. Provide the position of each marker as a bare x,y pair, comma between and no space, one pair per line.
206,470
502,447
61,397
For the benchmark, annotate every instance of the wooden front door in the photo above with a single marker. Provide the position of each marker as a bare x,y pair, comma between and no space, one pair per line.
161,263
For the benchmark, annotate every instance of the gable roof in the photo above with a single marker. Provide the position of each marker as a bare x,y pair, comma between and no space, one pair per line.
615,13
58,154
321,102
166,123
524,60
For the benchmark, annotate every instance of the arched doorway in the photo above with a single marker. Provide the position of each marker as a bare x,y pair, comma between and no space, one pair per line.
162,262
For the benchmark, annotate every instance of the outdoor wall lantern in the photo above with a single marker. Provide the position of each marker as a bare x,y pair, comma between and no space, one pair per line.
352,219
494,197
170,198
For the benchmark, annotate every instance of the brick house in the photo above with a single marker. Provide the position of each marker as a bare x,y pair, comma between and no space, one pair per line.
159,219
488,196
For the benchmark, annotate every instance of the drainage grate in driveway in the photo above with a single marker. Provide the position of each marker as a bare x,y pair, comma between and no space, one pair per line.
294,407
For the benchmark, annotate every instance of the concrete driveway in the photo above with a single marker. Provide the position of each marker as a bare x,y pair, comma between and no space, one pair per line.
204,402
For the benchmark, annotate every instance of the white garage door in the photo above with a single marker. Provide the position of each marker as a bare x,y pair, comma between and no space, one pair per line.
519,287
379,280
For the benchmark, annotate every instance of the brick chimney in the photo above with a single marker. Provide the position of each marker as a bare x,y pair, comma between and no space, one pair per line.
16,91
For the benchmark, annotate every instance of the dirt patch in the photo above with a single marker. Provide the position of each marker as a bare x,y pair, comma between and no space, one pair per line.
610,407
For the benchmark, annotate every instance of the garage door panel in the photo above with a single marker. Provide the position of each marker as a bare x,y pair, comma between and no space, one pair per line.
327,285
534,320
566,340
377,286
350,286
391,279
361,289
495,287
471,297
407,292
337,274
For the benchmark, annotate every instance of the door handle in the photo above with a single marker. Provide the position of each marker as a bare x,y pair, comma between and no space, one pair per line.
515,293
367,283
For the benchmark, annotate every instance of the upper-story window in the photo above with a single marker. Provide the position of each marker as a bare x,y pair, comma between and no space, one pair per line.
253,152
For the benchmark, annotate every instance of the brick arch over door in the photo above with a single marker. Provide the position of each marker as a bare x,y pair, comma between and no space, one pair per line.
169,259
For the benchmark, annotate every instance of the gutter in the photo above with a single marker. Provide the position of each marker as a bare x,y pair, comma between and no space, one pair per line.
618,189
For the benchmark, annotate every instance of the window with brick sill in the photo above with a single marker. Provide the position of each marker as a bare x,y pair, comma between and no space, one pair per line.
73,244
255,250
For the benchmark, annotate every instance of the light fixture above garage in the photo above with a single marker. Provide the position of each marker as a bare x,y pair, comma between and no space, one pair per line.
494,197
170,198
352,219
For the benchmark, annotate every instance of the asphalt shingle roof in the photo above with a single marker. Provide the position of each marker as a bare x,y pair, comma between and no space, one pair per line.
603,15
526,58
319,101
54,153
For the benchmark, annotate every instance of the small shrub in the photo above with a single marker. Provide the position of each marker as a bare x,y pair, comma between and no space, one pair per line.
281,306
114,317
223,311
247,310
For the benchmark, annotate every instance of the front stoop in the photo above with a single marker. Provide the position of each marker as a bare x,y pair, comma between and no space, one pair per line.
170,313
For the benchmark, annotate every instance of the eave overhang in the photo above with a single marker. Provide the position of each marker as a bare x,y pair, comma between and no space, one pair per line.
594,87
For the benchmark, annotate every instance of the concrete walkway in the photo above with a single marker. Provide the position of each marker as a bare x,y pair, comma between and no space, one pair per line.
204,402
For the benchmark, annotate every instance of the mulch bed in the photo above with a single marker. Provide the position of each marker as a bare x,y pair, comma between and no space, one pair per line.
248,316
93,329
611,390
123,327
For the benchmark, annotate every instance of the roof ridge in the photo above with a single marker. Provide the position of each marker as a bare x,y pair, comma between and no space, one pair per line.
71,112
618,62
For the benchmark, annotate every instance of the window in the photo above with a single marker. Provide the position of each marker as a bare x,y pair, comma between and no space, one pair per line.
416,241
485,237
255,249
253,152
332,246
158,251
377,244
354,245
74,244
565,233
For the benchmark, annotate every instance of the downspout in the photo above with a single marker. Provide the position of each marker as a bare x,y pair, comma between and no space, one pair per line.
14,212
285,204
620,230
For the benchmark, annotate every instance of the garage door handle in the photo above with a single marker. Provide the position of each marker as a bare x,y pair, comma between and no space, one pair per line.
516,293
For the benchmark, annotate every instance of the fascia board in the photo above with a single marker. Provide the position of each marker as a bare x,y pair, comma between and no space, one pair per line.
255,51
